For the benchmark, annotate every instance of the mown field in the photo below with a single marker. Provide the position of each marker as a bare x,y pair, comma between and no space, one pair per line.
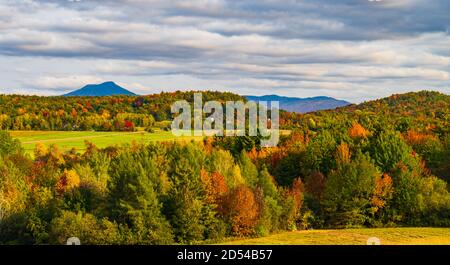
67,140
387,236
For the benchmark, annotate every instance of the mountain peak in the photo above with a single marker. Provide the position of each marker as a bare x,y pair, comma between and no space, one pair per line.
108,88
109,83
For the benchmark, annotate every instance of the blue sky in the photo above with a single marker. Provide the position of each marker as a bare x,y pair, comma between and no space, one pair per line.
355,50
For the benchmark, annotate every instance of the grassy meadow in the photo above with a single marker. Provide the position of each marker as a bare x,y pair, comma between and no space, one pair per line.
67,140
387,236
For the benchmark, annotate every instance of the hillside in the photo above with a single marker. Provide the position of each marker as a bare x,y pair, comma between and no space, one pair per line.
424,110
302,105
103,89
419,119
412,103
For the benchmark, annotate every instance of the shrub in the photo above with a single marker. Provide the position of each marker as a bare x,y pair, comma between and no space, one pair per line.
90,230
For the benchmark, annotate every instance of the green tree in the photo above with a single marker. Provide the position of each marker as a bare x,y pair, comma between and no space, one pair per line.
267,183
133,201
348,192
185,205
388,149
289,168
222,161
248,170
8,145
319,154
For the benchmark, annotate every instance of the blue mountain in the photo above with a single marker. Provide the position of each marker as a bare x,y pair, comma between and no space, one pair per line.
103,89
302,105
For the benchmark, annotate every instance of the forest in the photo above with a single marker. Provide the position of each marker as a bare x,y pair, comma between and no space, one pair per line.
382,163
111,113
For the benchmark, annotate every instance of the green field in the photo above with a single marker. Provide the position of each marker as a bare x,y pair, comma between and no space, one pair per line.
387,236
67,140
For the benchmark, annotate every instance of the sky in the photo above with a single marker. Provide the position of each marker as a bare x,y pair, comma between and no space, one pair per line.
355,50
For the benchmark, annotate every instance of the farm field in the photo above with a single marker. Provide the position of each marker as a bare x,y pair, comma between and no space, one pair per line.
67,140
387,236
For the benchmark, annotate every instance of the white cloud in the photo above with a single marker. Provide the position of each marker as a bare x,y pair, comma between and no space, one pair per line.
291,47
62,83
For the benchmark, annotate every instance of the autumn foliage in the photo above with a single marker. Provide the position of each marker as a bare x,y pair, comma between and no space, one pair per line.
383,191
343,154
357,131
215,186
242,210
315,184
68,180
297,190
391,168
414,138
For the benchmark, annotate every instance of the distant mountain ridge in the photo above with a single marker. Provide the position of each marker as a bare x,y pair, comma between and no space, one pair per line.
97,90
291,104
302,105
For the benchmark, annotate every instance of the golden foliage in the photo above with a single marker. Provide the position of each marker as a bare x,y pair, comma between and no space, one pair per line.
74,113
413,137
21,111
383,191
215,186
236,178
296,138
357,131
40,150
106,114
343,153
256,155
208,144
67,181
56,156
271,155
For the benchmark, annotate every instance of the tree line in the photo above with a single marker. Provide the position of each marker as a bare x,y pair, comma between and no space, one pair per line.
111,113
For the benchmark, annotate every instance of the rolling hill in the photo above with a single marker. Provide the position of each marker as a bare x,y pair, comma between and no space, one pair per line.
423,109
302,105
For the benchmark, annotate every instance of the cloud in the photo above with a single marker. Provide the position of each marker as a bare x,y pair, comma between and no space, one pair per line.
294,47
64,83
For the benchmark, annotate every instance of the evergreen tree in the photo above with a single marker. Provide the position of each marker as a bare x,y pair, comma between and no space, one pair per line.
133,201
248,170
388,149
348,192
